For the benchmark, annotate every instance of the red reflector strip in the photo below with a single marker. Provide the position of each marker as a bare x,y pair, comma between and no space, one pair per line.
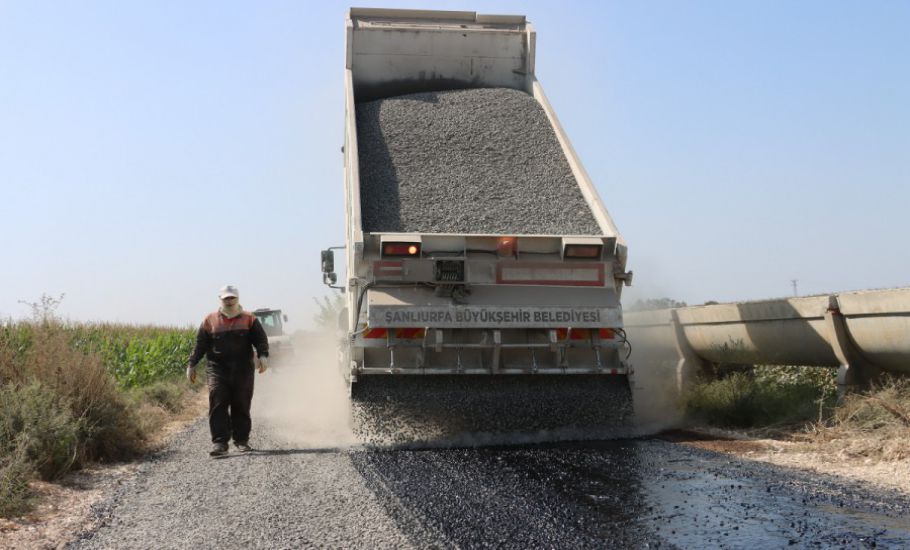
409,333
404,333
583,333
526,273
589,251
580,334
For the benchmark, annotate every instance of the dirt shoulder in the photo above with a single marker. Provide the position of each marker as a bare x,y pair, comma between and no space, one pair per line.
64,508
814,457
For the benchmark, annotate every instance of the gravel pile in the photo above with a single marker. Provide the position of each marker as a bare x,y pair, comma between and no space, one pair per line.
466,161
483,410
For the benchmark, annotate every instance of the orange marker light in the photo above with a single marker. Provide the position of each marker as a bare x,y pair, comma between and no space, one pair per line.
505,246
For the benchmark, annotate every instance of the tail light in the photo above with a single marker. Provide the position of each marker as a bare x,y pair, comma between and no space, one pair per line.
584,251
400,249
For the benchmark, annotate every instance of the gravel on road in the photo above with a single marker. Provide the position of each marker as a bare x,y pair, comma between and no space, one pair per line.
310,484
466,161
624,493
277,496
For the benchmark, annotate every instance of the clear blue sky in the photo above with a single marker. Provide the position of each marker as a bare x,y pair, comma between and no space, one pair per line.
152,151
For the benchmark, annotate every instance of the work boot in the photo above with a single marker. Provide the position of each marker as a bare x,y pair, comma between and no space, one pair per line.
243,446
219,449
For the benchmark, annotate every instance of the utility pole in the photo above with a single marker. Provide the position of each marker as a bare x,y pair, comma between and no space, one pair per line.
794,281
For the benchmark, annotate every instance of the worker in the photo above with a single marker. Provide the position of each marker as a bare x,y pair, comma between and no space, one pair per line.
226,338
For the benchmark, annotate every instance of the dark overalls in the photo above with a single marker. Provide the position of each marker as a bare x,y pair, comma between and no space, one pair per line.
227,344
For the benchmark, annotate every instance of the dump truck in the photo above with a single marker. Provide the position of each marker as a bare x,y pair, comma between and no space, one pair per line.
470,255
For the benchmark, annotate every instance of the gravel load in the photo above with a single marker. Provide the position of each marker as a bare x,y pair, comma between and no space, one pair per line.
444,410
466,161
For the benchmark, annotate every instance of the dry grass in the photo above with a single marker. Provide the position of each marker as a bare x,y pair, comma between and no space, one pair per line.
159,405
799,405
874,424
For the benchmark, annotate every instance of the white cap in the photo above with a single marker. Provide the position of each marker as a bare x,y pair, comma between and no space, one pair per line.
228,290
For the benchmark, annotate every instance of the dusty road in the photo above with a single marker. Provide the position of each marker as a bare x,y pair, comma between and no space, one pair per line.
309,485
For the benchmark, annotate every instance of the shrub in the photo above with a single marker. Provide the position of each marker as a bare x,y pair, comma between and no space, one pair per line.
108,428
764,396
33,420
15,473
167,394
64,398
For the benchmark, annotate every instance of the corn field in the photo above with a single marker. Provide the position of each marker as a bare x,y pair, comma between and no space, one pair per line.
137,356
133,355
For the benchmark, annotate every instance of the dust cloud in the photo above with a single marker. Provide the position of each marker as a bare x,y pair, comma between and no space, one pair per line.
655,398
303,398
303,401
654,359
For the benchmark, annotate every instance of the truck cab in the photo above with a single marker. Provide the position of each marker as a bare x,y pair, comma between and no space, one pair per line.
273,322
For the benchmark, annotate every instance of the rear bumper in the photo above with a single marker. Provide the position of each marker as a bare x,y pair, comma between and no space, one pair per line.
491,351
374,371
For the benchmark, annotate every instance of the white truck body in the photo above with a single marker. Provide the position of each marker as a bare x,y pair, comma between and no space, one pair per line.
528,310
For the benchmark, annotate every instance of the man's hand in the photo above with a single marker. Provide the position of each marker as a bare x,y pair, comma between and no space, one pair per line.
191,374
263,364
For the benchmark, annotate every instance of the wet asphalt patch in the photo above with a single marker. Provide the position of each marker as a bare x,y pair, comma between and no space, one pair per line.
626,493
